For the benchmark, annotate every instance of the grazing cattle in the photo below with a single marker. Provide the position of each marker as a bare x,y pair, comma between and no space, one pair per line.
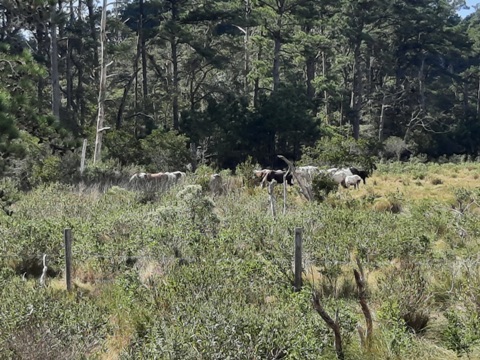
352,180
161,178
260,173
307,173
362,173
215,184
278,176
309,169
267,175
340,175
179,176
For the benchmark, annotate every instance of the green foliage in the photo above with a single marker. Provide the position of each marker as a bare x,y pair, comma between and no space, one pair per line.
340,151
390,314
46,323
322,185
165,151
107,172
408,289
124,147
183,275
462,332
202,176
245,171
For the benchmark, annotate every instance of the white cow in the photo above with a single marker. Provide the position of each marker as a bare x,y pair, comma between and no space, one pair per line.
353,180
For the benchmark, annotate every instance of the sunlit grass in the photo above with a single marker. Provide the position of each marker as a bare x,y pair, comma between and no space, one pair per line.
194,277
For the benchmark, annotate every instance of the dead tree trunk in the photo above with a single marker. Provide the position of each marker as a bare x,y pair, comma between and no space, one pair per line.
305,189
103,87
332,324
54,62
360,280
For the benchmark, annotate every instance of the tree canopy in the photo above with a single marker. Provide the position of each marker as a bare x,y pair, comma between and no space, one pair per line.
242,78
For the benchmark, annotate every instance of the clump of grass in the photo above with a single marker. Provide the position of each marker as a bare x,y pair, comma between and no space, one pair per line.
389,204
419,176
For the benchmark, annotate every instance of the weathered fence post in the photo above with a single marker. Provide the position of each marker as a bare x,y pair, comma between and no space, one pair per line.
67,234
271,197
298,259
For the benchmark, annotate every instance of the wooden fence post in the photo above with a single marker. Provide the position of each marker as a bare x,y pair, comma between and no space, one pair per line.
67,235
298,259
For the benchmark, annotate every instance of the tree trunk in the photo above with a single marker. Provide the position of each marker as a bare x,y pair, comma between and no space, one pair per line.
256,85
381,123
356,100
310,78
121,108
54,62
421,83
41,52
93,35
247,64
68,66
325,92
478,97
276,59
310,70
143,51
79,94
175,81
102,88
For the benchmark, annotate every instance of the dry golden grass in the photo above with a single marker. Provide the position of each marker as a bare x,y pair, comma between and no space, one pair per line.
118,341
418,189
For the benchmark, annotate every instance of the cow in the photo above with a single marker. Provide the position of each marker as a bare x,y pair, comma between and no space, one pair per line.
278,175
352,180
163,179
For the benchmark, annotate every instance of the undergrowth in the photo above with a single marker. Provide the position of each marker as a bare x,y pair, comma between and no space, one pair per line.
184,275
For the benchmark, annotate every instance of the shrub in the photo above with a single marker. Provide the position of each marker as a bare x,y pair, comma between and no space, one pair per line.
245,171
338,150
395,146
107,173
462,331
165,151
392,203
202,176
322,185
407,287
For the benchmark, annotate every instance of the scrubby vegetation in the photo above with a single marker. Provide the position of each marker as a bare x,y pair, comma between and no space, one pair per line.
182,275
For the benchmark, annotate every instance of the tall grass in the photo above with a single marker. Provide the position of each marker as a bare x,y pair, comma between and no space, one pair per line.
183,274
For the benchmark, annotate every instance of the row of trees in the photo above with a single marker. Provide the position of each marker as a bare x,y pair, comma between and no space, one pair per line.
240,77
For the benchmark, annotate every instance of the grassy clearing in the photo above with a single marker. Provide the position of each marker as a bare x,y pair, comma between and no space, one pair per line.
180,274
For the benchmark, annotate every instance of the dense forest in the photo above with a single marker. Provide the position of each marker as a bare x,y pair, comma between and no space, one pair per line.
164,83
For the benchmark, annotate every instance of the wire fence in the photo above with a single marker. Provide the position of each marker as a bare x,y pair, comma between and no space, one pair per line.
323,262
303,263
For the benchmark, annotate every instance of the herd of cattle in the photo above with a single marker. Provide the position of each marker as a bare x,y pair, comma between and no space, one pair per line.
346,177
